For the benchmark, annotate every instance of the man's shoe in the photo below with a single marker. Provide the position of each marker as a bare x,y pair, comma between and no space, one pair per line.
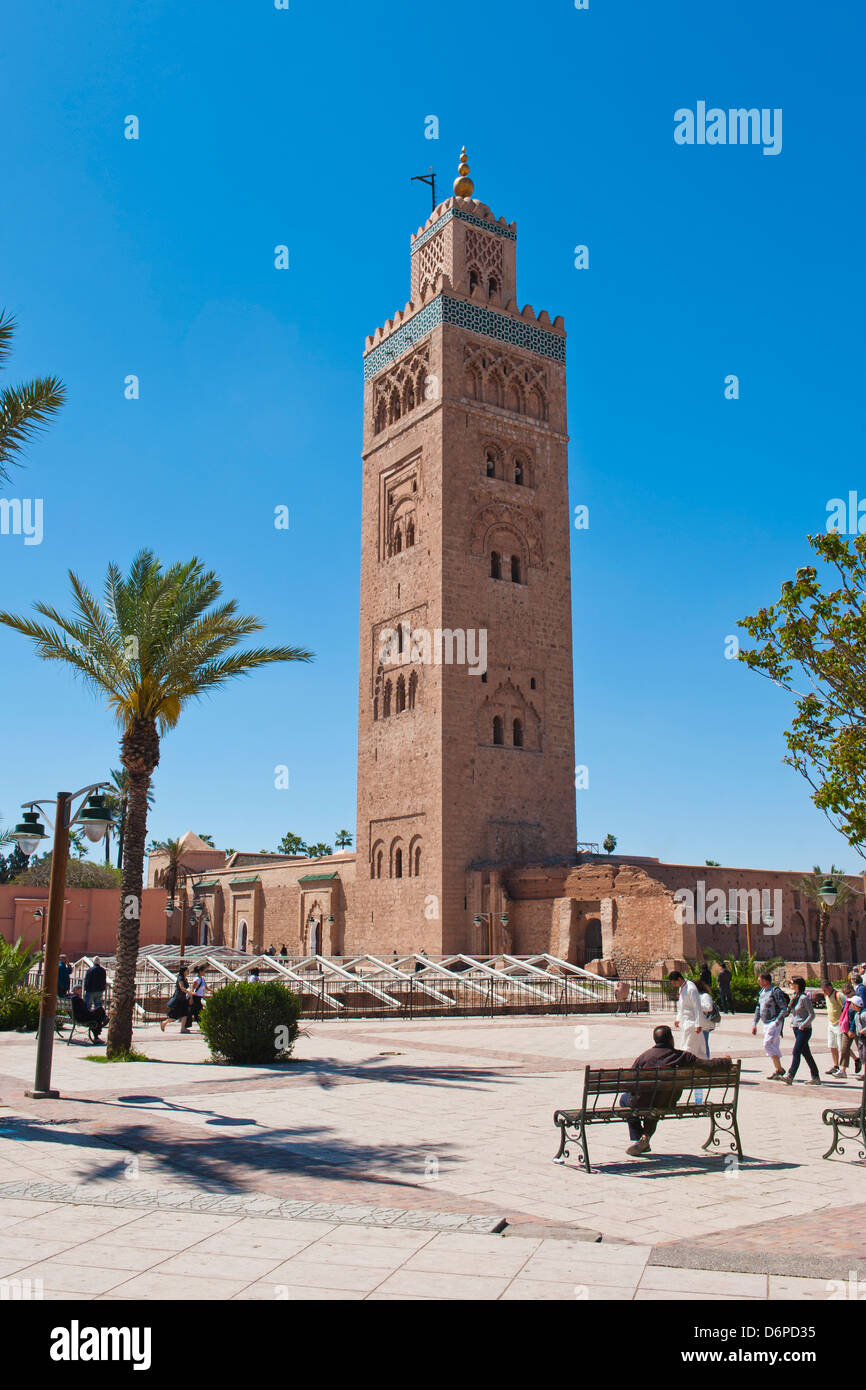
789,1080
641,1147
775,1076
816,1081
832,1071
841,1075
857,1065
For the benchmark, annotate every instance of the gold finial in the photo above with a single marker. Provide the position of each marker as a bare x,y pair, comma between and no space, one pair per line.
463,185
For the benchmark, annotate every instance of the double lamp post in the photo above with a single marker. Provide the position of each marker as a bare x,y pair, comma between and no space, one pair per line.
94,817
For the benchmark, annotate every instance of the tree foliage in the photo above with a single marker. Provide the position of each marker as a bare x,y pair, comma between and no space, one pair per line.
812,643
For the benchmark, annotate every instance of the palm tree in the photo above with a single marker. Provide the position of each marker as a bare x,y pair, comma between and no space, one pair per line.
158,641
116,801
172,849
810,887
343,839
25,409
208,839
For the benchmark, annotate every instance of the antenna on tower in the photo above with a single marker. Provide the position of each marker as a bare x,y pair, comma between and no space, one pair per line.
429,179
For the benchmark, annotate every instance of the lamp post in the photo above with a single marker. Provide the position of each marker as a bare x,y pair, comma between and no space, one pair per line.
828,893
94,818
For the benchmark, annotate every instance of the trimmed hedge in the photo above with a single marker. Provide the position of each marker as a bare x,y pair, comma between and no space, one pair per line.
20,1010
251,1024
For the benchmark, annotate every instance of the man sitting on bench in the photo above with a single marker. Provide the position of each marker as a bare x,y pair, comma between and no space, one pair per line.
661,1054
95,1019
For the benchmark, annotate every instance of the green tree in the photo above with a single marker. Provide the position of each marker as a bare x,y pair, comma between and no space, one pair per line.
810,886
116,800
712,863
319,851
812,644
172,850
208,839
344,839
291,844
160,639
609,843
25,409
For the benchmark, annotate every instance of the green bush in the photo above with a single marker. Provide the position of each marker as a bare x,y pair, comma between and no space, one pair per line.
20,1009
251,1023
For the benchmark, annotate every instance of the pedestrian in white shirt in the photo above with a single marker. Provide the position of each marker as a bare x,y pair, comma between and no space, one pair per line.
690,1014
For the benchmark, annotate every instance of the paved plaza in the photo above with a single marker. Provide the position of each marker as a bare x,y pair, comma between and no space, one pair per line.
394,1160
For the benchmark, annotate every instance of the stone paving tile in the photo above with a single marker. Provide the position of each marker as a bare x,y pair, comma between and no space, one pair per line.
695,1281
74,1278
444,1286
785,1286
102,1254
239,1265
506,1261
269,1293
308,1273
177,1287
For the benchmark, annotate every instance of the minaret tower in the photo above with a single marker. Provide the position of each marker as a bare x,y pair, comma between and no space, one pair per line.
466,727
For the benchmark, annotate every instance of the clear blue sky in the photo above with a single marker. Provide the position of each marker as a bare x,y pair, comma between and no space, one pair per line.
302,127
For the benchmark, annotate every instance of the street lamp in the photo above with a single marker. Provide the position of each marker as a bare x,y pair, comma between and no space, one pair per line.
95,818
828,893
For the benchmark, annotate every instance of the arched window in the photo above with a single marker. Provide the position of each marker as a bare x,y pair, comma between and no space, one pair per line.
394,408
491,464
375,708
398,540
409,395
474,280
495,569
381,415
400,702
518,733
398,864
386,700
492,286
498,732
413,689
515,569
410,533
417,860
399,639
379,864
518,472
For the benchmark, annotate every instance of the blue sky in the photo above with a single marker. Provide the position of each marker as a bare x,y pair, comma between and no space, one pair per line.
260,127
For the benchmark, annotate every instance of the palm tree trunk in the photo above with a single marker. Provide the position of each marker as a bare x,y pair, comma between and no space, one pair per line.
139,755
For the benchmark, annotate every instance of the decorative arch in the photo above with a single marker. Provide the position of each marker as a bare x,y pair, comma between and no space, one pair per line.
498,525
412,693
396,858
415,856
376,859
400,695
507,719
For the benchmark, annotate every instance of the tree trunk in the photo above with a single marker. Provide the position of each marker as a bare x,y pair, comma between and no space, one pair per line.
139,755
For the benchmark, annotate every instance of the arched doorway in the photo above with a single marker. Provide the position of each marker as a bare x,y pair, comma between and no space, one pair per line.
592,947
242,935
315,927
204,932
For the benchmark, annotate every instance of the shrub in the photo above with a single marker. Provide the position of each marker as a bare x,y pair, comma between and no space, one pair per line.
20,1009
251,1023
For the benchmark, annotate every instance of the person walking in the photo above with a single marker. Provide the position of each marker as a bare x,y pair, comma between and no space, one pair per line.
835,1005
198,989
802,1015
705,979
94,984
690,1014
711,1017
726,998
178,1006
847,1028
770,1011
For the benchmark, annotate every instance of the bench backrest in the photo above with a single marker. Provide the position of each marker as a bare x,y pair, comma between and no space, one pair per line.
656,1087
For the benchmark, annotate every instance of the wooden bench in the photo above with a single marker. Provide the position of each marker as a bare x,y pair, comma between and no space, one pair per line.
852,1123
662,1093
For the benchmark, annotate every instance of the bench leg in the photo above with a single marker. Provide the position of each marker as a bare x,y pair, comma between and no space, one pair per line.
730,1129
579,1137
858,1137
833,1146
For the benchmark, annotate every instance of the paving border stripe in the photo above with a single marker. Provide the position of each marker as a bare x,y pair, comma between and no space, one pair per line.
248,1204
798,1264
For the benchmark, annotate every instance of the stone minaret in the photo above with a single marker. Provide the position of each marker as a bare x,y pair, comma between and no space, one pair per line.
462,771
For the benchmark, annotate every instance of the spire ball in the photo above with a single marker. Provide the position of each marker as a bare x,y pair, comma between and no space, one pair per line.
463,185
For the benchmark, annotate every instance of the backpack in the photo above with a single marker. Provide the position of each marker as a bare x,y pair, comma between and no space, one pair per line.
786,998
714,1016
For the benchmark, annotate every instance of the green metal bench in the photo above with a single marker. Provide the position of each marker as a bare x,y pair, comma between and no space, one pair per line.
848,1124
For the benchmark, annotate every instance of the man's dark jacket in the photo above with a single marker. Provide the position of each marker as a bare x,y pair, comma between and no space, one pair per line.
664,1097
94,980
